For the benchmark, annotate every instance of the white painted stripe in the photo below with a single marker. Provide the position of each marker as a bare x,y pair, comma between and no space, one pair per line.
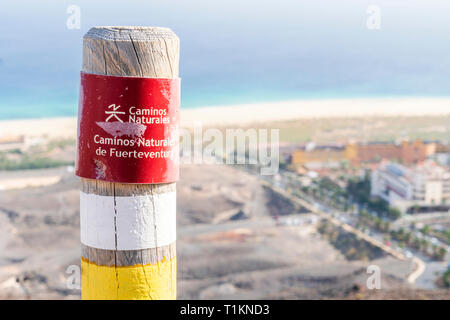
140,222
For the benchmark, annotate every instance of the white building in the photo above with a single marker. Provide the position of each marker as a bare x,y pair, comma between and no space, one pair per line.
402,187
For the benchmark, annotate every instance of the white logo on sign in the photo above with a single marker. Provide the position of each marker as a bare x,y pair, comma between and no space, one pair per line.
114,113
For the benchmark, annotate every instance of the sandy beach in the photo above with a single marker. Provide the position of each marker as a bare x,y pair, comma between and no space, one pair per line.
302,109
253,113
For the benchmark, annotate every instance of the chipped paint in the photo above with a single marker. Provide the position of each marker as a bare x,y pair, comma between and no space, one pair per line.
100,169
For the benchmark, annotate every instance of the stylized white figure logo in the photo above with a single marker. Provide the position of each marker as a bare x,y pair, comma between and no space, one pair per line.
114,113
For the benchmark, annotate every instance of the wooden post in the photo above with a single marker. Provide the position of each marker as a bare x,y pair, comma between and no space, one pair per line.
117,218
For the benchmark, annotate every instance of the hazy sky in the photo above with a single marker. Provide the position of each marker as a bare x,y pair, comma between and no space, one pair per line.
238,51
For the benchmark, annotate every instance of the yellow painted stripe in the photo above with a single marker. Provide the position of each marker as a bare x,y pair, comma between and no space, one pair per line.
138,282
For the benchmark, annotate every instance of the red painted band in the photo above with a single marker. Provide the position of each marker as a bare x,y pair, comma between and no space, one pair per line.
128,129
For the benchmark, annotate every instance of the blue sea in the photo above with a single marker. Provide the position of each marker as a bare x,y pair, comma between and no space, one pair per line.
234,52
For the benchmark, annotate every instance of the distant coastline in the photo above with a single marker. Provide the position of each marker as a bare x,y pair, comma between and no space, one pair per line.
255,113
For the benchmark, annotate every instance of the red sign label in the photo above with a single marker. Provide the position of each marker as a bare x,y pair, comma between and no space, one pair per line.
128,129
